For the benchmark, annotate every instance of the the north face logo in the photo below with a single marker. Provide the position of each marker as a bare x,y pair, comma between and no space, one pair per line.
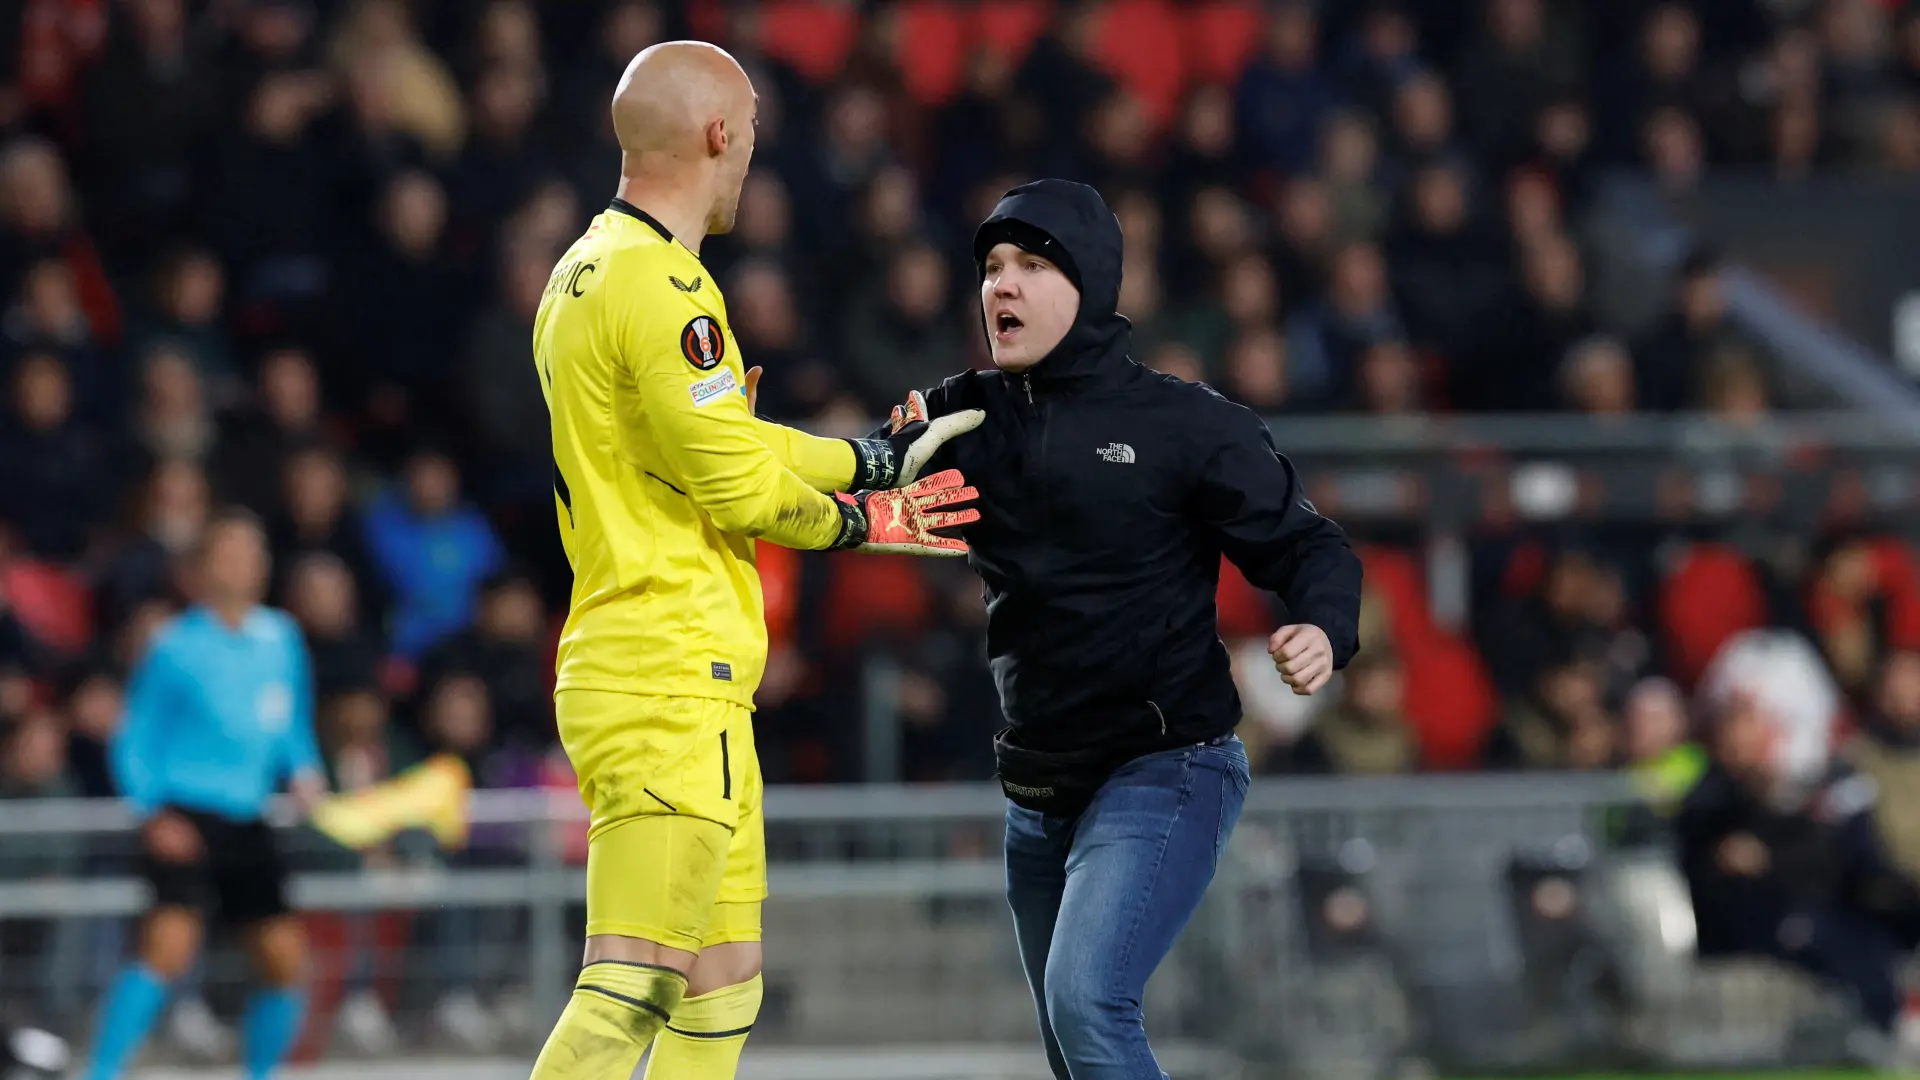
1117,453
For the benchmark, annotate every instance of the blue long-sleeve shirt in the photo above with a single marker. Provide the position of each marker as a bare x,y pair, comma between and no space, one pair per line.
435,566
217,717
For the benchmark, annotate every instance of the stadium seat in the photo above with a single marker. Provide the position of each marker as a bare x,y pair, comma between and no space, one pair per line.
935,37
1450,699
1222,38
814,36
780,587
1711,594
1244,610
1011,26
54,604
873,597
1397,577
1131,43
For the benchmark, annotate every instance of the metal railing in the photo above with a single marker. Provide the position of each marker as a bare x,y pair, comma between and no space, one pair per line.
887,927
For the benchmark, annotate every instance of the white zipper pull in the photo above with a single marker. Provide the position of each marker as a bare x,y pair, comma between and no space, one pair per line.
1027,381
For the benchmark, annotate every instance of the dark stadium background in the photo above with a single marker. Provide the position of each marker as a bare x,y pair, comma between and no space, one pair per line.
1574,313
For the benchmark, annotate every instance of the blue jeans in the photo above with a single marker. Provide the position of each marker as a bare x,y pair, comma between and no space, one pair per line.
1099,899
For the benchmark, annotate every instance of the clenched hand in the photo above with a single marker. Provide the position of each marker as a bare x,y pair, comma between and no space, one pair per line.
1303,656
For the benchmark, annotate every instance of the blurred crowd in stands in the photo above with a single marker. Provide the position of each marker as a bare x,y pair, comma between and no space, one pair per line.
286,253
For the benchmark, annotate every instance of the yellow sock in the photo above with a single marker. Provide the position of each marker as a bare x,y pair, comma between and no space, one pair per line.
616,1009
704,1039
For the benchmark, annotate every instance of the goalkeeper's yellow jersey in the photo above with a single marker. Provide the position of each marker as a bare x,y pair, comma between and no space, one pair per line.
662,476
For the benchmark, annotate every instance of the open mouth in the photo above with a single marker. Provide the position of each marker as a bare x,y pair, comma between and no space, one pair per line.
1006,324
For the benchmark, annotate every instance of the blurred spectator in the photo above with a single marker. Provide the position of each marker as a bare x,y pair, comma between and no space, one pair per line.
39,220
32,766
502,387
377,42
189,296
316,518
432,550
1388,380
947,699
1350,166
48,317
767,323
506,649
1365,733
273,161
1786,862
1886,750
173,421
1201,153
502,161
1655,739
1445,274
1324,344
1423,122
1256,372
94,706
1733,388
320,594
55,475
1518,371
284,417
406,300
1559,722
1596,378
1671,359
1063,77
1665,69
359,744
1283,95
145,115
1579,610
1508,74
172,514
1382,55
904,333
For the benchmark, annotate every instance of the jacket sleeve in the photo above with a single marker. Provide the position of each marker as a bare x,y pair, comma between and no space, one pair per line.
1251,498
711,444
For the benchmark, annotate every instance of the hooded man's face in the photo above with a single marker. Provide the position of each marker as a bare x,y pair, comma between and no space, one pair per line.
1029,303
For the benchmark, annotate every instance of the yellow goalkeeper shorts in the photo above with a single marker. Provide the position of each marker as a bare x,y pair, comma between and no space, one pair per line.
677,850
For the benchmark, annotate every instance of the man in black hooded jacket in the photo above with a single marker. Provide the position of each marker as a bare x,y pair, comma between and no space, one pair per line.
1108,494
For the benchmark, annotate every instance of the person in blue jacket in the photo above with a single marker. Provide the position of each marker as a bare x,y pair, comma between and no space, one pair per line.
434,551
219,716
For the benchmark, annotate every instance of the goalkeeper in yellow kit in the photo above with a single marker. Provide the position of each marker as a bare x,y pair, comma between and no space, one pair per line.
663,480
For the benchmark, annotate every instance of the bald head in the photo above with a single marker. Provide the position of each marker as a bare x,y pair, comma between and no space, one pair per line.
684,114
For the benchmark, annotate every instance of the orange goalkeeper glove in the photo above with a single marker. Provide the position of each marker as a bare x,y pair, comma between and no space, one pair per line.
904,521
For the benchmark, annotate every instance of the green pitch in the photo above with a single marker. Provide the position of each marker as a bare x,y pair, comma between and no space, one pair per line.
1721,1076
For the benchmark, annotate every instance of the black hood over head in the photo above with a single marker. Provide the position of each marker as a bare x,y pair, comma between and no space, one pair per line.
1074,217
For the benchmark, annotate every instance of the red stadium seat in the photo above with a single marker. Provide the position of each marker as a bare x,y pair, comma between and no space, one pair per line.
1133,45
1012,26
872,597
1450,700
52,603
935,36
780,587
814,36
1244,610
1397,578
1711,595
1222,37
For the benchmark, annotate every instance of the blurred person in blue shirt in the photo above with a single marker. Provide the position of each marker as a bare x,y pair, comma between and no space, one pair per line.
434,551
219,715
